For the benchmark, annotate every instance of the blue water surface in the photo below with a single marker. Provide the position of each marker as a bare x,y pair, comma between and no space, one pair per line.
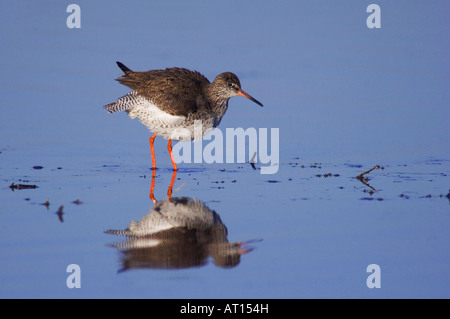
344,98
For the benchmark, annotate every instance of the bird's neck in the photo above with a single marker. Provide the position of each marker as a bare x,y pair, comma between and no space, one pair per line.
219,110
220,107
218,103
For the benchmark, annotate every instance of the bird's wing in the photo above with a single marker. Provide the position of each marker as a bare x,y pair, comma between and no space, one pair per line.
177,91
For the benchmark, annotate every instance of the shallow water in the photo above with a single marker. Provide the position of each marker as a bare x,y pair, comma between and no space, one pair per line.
345,98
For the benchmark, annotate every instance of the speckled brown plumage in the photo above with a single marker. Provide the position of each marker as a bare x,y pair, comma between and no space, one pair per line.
181,92
176,91
173,101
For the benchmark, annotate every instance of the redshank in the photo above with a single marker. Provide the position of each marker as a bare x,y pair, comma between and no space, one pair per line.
178,232
171,102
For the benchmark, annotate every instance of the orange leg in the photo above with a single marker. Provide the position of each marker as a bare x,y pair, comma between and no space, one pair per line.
169,147
169,190
152,188
152,139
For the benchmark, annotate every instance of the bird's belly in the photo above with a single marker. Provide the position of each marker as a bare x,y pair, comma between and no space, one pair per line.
169,126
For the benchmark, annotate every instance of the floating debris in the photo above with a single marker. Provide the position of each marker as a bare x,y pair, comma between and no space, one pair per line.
38,167
364,179
426,196
361,176
327,175
77,202
21,186
46,204
354,165
372,198
60,213
371,192
252,161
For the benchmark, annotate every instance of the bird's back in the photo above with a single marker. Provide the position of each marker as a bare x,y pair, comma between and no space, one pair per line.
177,91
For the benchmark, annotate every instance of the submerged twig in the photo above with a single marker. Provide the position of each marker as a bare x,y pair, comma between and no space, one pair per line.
21,186
365,180
252,161
361,176
46,204
77,202
60,213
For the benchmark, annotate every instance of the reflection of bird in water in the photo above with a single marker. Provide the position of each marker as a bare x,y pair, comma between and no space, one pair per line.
179,232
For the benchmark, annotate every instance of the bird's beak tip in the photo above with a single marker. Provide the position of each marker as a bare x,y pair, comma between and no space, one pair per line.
248,96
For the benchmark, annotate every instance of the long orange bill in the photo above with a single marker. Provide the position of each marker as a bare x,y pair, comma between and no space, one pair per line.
248,96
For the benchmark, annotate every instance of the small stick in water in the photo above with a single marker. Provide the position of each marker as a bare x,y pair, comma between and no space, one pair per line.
365,180
252,161
361,176
21,186
60,213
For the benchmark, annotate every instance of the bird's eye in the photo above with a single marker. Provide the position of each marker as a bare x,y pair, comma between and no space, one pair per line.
232,85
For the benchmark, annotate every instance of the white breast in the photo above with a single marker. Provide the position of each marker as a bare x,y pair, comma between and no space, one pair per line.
159,122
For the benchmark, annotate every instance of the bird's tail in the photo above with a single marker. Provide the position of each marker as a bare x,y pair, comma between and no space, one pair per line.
126,102
116,232
123,67
123,103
